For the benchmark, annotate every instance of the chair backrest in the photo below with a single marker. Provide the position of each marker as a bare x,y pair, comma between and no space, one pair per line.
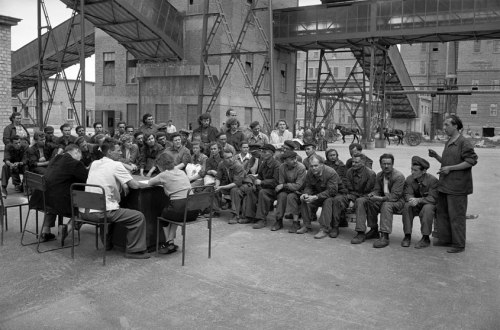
35,181
200,200
88,200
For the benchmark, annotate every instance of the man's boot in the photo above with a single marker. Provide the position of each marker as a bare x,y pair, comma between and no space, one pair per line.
277,225
259,224
334,232
373,233
295,226
359,238
382,242
303,230
423,243
406,241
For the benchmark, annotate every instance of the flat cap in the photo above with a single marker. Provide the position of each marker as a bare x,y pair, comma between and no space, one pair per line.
288,154
415,160
310,143
254,147
161,126
268,147
184,131
291,144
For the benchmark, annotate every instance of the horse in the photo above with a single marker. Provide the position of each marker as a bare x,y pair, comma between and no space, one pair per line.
399,134
348,131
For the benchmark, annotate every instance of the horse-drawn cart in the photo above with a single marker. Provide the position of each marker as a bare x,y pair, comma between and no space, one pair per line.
413,138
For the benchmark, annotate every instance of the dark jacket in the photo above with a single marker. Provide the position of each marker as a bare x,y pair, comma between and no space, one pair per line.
396,185
424,187
325,185
268,173
10,130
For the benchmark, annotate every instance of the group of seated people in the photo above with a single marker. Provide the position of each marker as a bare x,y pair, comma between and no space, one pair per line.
255,172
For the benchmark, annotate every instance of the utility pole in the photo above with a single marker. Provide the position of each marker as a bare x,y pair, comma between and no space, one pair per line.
83,116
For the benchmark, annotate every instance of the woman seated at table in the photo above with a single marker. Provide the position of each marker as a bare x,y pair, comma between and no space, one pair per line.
130,153
176,184
150,153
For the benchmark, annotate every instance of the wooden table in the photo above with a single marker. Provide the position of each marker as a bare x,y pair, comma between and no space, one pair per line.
150,201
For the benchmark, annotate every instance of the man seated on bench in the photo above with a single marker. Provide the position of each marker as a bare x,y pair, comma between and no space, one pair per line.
360,181
386,198
420,196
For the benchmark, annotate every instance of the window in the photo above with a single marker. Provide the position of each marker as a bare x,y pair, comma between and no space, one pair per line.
71,114
162,113
493,110
14,109
299,74
267,78
496,46
434,67
473,109
423,67
282,114
25,94
108,77
283,77
249,66
335,72
496,85
475,84
347,71
477,46
26,112
310,72
132,114
423,48
316,54
131,69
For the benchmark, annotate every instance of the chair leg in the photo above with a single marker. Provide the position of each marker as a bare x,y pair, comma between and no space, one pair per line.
73,240
104,248
23,229
157,235
21,218
183,242
1,225
210,237
97,238
7,223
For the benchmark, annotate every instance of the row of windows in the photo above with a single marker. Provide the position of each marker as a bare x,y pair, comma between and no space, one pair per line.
476,47
131,71
312,73
493,109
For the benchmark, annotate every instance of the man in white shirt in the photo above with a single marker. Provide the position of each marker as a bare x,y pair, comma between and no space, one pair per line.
114,178
170,127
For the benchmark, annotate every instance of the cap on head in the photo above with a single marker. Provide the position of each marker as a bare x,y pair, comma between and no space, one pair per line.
416,160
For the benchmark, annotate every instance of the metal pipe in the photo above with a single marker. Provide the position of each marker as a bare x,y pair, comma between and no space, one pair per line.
39,95
271,64
203,56
83,120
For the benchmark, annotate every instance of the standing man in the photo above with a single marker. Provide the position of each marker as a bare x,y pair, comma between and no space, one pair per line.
387,198
420,196
322,184
291,179
170,127
206,132
148,125
13,159
37,156
455,183
230,113
115,179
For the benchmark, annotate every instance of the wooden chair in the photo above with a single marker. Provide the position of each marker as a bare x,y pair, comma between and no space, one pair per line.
199,198
95,200
36,182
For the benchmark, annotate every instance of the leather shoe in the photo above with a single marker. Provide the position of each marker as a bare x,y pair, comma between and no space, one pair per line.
233,220
373,233
259,224
455,250
406,241
343,223
321,234
382,242
137,255
45,237
295,226
423,243
359,238
244,220
277,225
303,230
334,232
439,243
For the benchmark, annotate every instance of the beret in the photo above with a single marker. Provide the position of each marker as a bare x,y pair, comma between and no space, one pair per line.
268,147
288,154
415,160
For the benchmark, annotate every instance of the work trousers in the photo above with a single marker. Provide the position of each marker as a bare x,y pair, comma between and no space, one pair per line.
132,220
284,207
367,210
425,212
265,200
236,198
175,211
450,219
14,173
340,204
325,219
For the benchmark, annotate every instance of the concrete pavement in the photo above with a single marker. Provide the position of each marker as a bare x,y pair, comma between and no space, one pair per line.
258,279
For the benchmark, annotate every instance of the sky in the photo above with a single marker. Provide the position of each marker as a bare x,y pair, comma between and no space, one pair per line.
26,30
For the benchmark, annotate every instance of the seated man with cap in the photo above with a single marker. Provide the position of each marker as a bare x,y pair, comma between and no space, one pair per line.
291,146
259,197
420,199
321,186
310,149
291,179
355,149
